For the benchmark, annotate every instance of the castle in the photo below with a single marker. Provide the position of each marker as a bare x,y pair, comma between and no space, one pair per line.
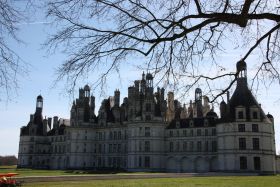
148,132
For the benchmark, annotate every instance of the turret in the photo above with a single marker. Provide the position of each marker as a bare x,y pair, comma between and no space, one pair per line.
241,69
198,102
81,93
143,84
149,79
87,91
270,117
38,118
39,103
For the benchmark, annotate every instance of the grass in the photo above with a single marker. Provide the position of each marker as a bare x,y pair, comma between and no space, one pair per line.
40,172
238,181
228,181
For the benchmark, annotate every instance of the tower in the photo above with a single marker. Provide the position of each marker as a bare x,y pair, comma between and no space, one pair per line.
149,79
38,118
86,103
245,132
198,102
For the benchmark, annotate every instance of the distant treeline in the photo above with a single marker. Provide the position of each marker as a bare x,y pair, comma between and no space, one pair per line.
8,160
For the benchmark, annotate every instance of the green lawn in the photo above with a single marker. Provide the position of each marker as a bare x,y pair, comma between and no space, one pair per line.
247,181
38,172
229,181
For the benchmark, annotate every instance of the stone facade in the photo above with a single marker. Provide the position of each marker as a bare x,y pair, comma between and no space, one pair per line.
149,132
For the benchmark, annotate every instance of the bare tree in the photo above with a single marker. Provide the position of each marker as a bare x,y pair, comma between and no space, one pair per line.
11,65
173,36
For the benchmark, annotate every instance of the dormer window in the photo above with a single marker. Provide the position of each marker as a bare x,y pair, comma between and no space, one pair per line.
255,113
205,123
177,124
240,113
191,123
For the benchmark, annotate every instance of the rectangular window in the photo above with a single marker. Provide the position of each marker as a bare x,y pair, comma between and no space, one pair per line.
191,132
119,135
140,146
240,115
140,161
198,132
255,115
257,163
114,148
199,146
110,148
147,146
100,148
255,128
115,135
119,148
147,131
110,162
147,161
243,162
148,107
191,145
214,146
171,146
148,117
171,133
242,143
213,132
241,127
185,146
206,132
184,132
177,146
206,146
256,144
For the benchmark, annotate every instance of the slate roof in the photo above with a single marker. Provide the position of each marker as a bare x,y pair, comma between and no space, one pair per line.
242,96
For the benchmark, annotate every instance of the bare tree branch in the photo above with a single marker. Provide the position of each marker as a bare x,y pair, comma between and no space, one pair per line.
173,37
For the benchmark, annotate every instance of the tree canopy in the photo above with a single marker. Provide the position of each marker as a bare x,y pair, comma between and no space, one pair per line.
11,64
173,38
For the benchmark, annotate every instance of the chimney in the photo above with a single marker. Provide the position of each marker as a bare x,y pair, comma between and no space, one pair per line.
31,117
55,122
50,123
228,96
45,127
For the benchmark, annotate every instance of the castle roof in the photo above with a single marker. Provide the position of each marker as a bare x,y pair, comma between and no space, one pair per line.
243,97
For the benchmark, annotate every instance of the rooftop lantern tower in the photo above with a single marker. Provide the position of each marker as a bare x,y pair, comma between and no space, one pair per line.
198,102
38,118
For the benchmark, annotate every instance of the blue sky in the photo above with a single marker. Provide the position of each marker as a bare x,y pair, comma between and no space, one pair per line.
41,77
